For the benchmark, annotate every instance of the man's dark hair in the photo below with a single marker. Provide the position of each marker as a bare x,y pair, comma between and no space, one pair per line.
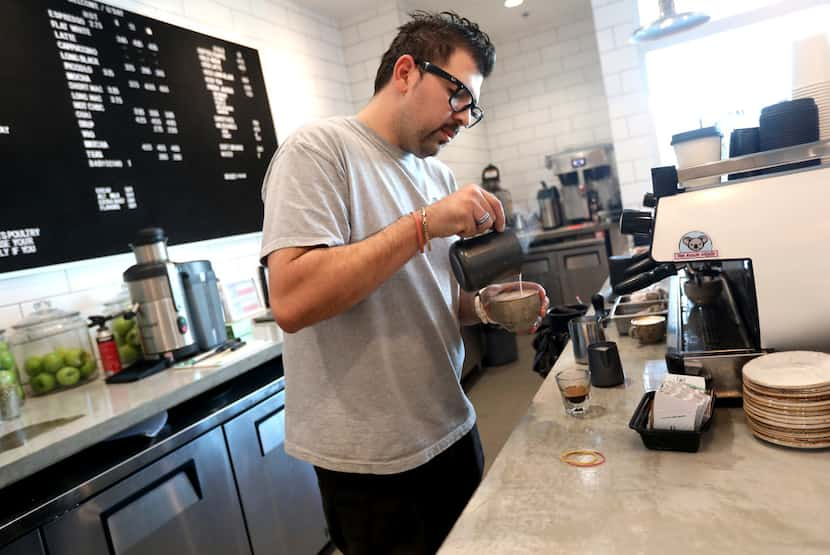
433,37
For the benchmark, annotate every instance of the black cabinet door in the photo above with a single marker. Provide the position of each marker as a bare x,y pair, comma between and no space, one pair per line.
29,544
584,269
182,504
280,495
542,268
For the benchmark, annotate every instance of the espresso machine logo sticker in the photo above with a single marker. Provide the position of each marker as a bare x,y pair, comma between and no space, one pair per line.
695,244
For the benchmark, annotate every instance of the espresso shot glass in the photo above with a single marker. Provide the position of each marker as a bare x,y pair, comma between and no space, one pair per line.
575,388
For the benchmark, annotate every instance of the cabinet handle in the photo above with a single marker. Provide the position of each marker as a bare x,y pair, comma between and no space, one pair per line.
150,508
271,431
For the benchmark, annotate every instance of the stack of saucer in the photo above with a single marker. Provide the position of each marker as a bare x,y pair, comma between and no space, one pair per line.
811,77
787,398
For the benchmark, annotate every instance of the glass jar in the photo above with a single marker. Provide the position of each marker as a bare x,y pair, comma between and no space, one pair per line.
53,350
9,373
126,333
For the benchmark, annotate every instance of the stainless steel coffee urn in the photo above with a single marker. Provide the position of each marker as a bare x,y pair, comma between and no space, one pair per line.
491,182
155,285
550,207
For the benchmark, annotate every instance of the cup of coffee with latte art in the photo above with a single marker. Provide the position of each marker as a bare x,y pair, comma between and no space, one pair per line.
515,307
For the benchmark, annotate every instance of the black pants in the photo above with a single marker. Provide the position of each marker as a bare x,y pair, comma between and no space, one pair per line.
407,513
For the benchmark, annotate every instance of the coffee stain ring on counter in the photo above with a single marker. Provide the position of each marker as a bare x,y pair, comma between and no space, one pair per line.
577,457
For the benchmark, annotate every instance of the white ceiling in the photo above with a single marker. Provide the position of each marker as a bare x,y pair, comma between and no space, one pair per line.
491,15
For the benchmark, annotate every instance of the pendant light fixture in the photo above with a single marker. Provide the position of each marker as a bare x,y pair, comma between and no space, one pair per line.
669,23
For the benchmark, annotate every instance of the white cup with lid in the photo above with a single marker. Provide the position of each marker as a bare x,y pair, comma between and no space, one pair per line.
696,147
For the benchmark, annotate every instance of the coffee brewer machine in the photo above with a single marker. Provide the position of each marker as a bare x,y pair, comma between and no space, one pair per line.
748,267
176,305
589,188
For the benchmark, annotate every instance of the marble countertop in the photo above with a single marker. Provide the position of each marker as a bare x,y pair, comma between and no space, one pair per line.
736,495
109,409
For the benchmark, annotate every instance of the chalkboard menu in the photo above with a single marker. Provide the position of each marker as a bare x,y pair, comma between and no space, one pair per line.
111,122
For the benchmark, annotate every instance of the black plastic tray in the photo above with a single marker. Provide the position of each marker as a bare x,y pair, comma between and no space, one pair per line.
665,440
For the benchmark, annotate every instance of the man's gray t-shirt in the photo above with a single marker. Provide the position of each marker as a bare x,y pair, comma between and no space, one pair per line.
374,389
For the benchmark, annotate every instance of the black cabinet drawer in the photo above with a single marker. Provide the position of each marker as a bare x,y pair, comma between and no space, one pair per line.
279,493
183,504
29,544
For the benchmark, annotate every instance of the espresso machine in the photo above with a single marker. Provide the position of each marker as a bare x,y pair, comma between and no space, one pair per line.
589,189
747,268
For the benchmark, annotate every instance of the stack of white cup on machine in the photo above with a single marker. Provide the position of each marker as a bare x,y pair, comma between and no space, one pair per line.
811,77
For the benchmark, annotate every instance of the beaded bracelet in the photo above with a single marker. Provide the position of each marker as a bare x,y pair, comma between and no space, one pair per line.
418,232
425,228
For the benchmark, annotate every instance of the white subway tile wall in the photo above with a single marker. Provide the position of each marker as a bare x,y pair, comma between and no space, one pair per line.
546,95
623,71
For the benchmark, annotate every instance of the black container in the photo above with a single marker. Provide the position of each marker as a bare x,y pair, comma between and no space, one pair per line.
789,123
742,142
479,261
665,440
560,315
500,346
605,365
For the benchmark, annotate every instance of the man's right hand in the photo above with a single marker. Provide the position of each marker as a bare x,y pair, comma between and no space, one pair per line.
469,211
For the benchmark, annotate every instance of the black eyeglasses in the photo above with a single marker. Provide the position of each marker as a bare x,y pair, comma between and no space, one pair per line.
462,99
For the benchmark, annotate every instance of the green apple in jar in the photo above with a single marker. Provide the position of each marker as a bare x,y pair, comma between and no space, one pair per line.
88,367
53,362
73,358
68,375
33,365
7,361
42,383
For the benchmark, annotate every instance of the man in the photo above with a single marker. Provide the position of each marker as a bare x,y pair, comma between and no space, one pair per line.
358,223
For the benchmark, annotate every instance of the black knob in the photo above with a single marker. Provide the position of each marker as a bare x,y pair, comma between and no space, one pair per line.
635,221
649,200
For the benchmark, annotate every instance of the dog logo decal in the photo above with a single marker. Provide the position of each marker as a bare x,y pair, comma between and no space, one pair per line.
695,244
